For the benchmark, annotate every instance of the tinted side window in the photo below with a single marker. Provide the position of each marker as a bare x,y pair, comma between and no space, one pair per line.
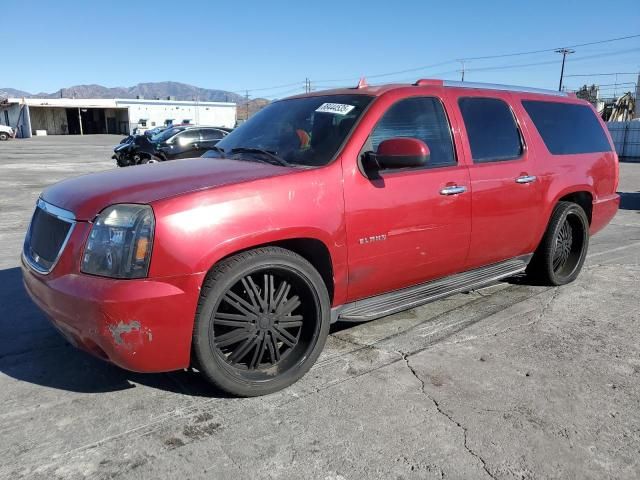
188,136
491,128
567,128
211,134
422,118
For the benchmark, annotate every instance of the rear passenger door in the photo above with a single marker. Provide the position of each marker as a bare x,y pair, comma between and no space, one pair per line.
505,191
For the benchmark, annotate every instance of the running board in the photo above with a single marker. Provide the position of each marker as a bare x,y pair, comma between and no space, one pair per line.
399,300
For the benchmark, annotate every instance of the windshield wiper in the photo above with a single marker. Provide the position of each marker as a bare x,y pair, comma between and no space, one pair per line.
273,156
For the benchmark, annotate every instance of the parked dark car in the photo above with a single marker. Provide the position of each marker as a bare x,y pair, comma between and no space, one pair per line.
170,144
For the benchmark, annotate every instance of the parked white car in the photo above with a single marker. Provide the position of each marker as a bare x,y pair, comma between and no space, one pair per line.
6,132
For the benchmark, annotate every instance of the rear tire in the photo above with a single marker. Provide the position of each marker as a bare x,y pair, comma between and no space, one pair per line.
563,249
262,321
4,136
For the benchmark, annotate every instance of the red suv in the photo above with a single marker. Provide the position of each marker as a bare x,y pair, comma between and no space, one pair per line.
346,204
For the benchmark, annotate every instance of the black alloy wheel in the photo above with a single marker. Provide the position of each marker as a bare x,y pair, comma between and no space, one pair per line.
257,327
563,247
263,322
562,252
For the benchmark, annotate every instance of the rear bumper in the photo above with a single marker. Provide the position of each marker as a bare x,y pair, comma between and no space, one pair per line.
604,209
140,325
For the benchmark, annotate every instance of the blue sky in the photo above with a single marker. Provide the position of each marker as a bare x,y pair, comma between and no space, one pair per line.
237,45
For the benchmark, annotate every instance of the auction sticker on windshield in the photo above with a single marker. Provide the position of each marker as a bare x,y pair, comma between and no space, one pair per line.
337,108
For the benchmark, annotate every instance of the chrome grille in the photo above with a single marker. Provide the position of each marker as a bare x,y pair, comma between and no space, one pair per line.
47,236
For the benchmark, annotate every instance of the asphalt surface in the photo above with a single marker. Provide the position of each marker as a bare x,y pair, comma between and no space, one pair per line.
511,381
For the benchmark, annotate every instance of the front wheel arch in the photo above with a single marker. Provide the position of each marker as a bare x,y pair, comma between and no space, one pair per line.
313,250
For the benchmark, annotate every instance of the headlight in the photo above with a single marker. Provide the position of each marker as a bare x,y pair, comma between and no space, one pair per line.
119,245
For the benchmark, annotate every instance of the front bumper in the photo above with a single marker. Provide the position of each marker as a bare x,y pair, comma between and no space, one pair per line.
141,325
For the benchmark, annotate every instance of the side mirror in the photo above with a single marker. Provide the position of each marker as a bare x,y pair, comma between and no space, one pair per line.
399,153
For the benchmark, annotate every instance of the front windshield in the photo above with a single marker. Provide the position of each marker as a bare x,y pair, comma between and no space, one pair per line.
302,131
166,134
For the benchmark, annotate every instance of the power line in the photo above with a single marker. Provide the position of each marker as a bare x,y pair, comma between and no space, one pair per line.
299,89
465,59
546,50
601,74
388,74
612,84
551,62
261,89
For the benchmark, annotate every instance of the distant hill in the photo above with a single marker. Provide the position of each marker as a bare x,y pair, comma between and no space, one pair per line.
180,91
12,92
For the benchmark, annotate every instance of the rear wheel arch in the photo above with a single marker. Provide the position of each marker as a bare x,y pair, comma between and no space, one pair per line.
582,198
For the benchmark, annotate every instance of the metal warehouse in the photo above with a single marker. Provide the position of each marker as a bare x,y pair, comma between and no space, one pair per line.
71,116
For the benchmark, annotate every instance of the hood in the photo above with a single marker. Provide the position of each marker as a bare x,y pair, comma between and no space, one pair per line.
87,195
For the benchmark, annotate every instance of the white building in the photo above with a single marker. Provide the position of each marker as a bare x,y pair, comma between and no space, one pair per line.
71,116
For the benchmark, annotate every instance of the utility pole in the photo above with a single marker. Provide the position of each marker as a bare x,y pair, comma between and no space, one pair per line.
246,99
564,52
462,71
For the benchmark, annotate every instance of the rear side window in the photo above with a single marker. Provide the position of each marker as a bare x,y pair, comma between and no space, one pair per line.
491,129
422,118
567,128
210,134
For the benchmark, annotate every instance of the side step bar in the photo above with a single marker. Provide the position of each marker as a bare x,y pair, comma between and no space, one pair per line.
399,300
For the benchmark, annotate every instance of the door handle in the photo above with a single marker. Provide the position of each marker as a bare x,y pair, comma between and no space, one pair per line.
526,179
453,190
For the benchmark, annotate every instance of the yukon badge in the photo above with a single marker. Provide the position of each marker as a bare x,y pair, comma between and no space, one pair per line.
373,238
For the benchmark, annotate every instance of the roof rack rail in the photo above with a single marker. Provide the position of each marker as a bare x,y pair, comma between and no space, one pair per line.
512,88
426,82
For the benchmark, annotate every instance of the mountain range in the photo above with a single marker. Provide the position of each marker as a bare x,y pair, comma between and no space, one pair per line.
151,90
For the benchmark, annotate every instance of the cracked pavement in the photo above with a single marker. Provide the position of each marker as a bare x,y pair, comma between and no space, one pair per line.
510,381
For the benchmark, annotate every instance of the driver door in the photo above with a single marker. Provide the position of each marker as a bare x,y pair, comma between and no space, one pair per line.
403,228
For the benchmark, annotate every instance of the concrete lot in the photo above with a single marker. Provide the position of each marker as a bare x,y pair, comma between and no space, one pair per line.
512,381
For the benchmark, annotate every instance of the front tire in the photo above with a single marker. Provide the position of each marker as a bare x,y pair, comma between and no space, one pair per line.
4,136
262,321
563,249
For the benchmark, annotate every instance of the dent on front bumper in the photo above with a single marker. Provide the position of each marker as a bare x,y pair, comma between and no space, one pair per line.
141,325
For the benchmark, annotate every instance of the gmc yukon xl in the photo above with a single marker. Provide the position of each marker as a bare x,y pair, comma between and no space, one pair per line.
349,204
